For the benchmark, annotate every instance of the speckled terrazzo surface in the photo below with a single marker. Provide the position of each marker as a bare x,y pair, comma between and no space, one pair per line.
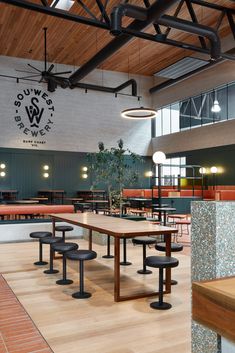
213,250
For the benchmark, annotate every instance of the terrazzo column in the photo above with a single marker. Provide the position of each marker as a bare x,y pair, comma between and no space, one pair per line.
213,256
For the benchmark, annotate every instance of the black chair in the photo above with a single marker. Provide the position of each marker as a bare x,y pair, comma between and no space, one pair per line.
63,229
63,248
81,256
161,262
50,241
40,235
175,247
144,241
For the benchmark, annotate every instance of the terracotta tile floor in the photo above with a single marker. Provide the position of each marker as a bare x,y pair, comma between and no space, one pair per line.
18,334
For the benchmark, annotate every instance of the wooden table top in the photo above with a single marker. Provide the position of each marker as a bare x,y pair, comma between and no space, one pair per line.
119,227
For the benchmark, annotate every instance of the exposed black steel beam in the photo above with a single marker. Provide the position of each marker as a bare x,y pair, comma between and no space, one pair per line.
212,6
177,11
56,13
231,23
197,29
194,19
86,9
220,19
173,82
174,43
154,12
55,3
44,2
102,9
155,25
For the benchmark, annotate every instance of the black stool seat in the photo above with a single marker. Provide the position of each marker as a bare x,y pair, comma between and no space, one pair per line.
40,235
50,240
161,262
81,256
63,248
63,228
143,240
175,247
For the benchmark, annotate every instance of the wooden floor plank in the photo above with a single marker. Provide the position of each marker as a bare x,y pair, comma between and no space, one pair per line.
98,324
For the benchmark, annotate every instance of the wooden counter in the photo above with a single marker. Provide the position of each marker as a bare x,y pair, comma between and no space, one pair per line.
213,305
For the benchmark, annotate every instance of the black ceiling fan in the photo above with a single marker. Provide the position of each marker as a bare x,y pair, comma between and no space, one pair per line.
46,75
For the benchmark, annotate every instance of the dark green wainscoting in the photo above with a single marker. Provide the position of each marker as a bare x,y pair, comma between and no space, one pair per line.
24,171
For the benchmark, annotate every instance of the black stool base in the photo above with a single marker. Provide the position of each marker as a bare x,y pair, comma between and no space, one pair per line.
40,263
125,263
160,306
49,272
64,282
81,295
144,272
173,282
108,256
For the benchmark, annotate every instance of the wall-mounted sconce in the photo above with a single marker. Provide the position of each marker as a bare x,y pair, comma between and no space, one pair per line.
46,175
84,176
214,170
45,167
84,169
202,170
2,166
2,174
148,174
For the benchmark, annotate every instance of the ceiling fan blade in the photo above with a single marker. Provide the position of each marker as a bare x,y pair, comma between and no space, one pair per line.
31,76
27,72
61,73
34,68
51,68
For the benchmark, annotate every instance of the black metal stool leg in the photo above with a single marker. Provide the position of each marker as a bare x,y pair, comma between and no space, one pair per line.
64,281
81,294
160,305
144,271
51,269
108,255
125,262
40,262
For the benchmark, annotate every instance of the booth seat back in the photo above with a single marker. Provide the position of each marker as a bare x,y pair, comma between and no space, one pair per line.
34,209
189,193
132,192
209,194
227,194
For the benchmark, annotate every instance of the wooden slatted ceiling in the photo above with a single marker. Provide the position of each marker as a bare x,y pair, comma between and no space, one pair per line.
74,44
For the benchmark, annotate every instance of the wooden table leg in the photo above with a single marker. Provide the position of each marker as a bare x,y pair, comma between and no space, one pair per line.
90,239
116,269
168,270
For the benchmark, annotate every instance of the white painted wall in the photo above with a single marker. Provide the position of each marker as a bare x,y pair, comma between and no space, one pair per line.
219,134
80,119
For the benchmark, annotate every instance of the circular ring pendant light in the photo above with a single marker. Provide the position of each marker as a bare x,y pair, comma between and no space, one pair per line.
139,113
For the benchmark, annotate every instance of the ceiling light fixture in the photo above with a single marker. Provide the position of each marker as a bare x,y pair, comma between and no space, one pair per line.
63,4
139,113
215,107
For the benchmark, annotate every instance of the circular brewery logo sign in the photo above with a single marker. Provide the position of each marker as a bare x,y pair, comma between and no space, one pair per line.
34,111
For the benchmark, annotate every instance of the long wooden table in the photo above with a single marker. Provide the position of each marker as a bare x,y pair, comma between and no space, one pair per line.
119,228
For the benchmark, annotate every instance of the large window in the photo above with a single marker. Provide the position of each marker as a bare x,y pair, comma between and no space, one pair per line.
197,111
171,170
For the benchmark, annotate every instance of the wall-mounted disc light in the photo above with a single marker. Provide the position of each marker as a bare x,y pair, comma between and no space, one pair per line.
2,166
202,170
2,174
84,176
46,175
148,173
214,170
46,167
84,169
140,113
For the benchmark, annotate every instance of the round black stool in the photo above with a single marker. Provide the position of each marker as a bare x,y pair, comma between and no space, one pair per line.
161,262
124,262
62,248
81,256
63,229
40,235
50,241
144,241
175,247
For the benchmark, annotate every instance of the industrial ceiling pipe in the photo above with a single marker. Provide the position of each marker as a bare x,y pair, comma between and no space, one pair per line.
157,9
117,89
195,28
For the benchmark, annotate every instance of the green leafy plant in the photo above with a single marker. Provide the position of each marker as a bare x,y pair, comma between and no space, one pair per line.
115,168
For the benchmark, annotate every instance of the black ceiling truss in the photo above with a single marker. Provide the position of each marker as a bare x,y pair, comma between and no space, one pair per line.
136,28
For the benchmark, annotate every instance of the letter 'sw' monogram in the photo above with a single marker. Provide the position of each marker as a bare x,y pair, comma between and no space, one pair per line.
34,113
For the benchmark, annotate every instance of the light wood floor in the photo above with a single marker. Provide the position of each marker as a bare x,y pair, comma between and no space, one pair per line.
98,324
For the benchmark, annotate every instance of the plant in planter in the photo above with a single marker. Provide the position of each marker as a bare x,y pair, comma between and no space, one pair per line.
115,168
